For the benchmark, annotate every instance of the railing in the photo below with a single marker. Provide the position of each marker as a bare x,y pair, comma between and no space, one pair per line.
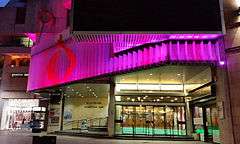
98,122
85,124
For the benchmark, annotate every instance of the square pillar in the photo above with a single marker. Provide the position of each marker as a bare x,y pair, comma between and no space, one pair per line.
189,123
111,110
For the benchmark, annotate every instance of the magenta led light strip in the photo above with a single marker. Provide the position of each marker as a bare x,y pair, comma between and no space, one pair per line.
125,41
73,60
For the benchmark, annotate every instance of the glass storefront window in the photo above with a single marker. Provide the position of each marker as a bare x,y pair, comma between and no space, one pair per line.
86,106
171,79
149,120
198,120
159,120
15,111
154,101
207,126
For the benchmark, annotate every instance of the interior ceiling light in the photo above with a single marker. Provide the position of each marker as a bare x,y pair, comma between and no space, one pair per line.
238,3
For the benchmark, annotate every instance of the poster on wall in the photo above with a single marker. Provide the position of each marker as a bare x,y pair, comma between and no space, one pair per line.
198,121
67,115
220,109
54,115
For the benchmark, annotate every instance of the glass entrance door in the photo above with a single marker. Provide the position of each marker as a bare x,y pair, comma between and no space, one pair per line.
137,120
159,120
140,122
212,127
206,123
151,120
128,119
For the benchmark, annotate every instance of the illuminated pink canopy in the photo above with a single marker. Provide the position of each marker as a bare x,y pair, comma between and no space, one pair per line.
88,56
125,41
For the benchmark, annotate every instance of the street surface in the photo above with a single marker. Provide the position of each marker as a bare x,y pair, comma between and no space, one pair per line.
7,137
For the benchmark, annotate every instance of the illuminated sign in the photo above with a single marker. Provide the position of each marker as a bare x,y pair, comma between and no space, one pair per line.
16,75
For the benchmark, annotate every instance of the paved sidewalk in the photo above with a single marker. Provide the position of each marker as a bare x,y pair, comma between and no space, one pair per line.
25,138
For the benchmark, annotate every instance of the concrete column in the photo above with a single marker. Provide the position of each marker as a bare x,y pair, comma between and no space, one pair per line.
62,111
111,111
189,119
223,104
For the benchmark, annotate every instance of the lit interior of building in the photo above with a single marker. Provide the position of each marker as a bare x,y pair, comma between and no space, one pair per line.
162,101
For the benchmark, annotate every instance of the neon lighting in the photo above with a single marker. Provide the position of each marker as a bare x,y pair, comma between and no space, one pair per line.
77,60
125,41
67,4
221,62
31,36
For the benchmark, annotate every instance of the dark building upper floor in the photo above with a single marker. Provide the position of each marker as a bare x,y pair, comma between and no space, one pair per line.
31,16
15,44
14,72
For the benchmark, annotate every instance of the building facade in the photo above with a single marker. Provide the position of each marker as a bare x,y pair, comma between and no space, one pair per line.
231,10
171,83
15,47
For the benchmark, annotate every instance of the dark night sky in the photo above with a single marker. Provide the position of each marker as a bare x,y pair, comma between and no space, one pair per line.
147,15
